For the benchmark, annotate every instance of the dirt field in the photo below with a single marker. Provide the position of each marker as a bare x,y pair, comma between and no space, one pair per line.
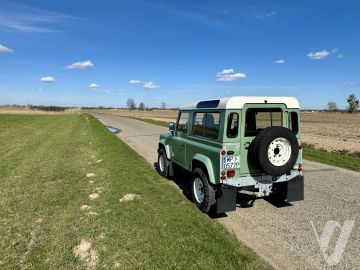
330,131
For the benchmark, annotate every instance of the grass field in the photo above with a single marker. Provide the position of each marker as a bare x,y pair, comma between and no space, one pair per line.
61,178
345,160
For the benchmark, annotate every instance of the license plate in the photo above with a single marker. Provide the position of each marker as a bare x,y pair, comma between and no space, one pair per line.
231,162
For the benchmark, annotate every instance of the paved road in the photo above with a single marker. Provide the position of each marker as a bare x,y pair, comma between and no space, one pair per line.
284,236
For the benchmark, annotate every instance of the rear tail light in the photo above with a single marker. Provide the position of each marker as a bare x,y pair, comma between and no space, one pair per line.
299,146
300,168
231,173
223,152
223,177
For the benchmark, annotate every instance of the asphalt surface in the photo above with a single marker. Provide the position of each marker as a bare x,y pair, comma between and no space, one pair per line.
282,235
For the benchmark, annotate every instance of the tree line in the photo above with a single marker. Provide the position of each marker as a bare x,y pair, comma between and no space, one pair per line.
353,104
131,105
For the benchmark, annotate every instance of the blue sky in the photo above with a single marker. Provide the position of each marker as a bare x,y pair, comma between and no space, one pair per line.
155,51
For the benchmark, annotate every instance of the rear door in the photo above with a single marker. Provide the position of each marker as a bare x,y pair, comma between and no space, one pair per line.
256,117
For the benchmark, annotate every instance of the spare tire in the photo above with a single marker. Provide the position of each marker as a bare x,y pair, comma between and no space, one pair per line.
274,150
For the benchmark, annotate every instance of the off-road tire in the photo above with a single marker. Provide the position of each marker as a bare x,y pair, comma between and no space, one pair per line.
164,169
258,151
209,192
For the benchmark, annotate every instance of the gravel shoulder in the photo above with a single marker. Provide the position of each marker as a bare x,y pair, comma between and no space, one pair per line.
284,235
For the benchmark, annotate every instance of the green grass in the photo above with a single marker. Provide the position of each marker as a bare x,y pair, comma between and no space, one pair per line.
43,165
151,121
345,160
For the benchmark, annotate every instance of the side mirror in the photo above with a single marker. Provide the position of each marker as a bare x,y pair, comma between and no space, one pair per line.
172,127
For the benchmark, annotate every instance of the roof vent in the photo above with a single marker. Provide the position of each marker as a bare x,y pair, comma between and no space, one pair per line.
208,104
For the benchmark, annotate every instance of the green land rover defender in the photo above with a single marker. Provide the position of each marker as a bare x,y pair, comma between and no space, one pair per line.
234,146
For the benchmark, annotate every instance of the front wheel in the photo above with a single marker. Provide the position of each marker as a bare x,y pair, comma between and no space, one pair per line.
163,163
203,193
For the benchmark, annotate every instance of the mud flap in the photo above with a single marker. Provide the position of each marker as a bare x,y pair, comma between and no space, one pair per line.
295,189
226,202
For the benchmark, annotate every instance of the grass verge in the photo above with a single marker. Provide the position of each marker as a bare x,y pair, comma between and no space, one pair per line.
345,160
46,210
151,121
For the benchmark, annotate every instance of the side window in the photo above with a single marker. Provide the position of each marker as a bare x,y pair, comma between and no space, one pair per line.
199,125
182,123
294,122
212,125
232,125
258,119
206,124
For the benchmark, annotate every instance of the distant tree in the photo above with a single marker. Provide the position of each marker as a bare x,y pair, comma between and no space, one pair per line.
141,106
131,104
353,103
163,105
332,106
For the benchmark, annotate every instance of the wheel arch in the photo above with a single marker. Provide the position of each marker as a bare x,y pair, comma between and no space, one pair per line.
163,144
203,162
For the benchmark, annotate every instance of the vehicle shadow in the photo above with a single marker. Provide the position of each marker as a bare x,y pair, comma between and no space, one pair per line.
277,203
182,179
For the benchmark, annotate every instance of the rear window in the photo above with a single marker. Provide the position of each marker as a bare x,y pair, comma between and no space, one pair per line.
206,124
257,119
294,122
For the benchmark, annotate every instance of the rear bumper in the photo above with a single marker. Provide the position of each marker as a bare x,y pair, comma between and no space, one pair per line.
253,180
290,191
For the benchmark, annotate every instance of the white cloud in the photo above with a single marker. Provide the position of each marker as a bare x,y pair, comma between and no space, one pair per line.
47,79
26,19
4,49
135,81
227,71
269,14
96,89
272,13
81,65
280,61
94,86
318,55
228,75
337,52
150,85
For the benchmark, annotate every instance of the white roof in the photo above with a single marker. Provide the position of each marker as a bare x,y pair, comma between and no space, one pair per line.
238,102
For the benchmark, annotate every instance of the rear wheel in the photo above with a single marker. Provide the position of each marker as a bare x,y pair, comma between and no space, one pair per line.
163,163
203,193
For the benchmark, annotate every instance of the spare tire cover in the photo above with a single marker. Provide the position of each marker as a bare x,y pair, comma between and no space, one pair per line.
274,150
